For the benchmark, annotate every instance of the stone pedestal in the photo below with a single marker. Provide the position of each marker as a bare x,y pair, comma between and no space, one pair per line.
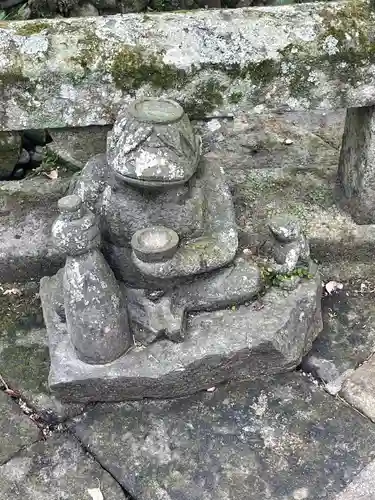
356,172
237,343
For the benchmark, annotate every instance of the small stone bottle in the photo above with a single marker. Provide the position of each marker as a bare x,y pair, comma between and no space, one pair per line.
96,315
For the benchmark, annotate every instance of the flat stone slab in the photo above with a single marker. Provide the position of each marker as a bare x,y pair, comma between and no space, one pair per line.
359,389
363,486
237,343
289,57
281,438
24,354
56,469
27,211
348,335
17,430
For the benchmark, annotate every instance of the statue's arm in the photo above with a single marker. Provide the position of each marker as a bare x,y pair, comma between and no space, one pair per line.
219,244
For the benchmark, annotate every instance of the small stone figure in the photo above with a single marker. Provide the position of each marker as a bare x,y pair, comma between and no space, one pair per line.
289,249
95,314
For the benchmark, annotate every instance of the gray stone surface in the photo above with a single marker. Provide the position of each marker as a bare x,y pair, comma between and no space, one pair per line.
24,355
362,487
17,430
237,343
283,438
55,469
75,147
27,211
10,150
173,55
348,335
359,388
356,170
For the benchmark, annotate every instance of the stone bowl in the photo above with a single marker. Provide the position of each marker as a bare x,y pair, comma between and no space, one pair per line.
155,243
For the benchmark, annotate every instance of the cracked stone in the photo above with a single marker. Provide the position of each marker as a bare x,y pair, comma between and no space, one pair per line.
55,469
17,430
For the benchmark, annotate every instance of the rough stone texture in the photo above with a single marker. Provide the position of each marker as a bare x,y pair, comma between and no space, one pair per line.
55,469
76,146
282,439
359,389
248,57
10,150
237,343
17,430
27,211
269,178
24,355
356,170
363,486
152,144
348,335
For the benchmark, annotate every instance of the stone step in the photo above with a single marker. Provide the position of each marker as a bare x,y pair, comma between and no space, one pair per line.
281,57
55,469
282,438
27,210
359,389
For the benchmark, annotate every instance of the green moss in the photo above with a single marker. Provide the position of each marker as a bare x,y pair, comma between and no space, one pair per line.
235,97
131,68
28,365
32,28
350,28
13,78
207,96
272,278
19,312
88,48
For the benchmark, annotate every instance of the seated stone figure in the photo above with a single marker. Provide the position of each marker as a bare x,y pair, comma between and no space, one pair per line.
155,298
168,236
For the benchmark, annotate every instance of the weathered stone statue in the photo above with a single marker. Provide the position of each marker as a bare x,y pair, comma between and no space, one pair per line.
153,274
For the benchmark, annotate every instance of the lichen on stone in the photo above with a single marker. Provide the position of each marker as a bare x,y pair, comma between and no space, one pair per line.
133,67
32,28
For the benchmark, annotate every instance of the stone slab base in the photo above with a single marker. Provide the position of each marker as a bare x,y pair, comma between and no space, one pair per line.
244,343
282,439
55,469
359,389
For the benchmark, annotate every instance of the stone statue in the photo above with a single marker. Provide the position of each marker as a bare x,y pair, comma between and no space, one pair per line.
150,236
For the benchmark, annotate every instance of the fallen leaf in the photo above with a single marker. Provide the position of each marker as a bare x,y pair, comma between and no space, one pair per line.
95,494
53,175
12,291
333,286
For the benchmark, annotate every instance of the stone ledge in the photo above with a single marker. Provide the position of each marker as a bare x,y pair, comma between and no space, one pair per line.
214,62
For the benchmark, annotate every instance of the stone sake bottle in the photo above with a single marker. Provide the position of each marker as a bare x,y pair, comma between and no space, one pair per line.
96,316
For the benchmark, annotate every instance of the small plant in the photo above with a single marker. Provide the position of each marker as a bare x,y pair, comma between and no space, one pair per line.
272,278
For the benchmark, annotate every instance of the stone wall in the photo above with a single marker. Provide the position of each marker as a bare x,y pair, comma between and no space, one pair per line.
215,62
